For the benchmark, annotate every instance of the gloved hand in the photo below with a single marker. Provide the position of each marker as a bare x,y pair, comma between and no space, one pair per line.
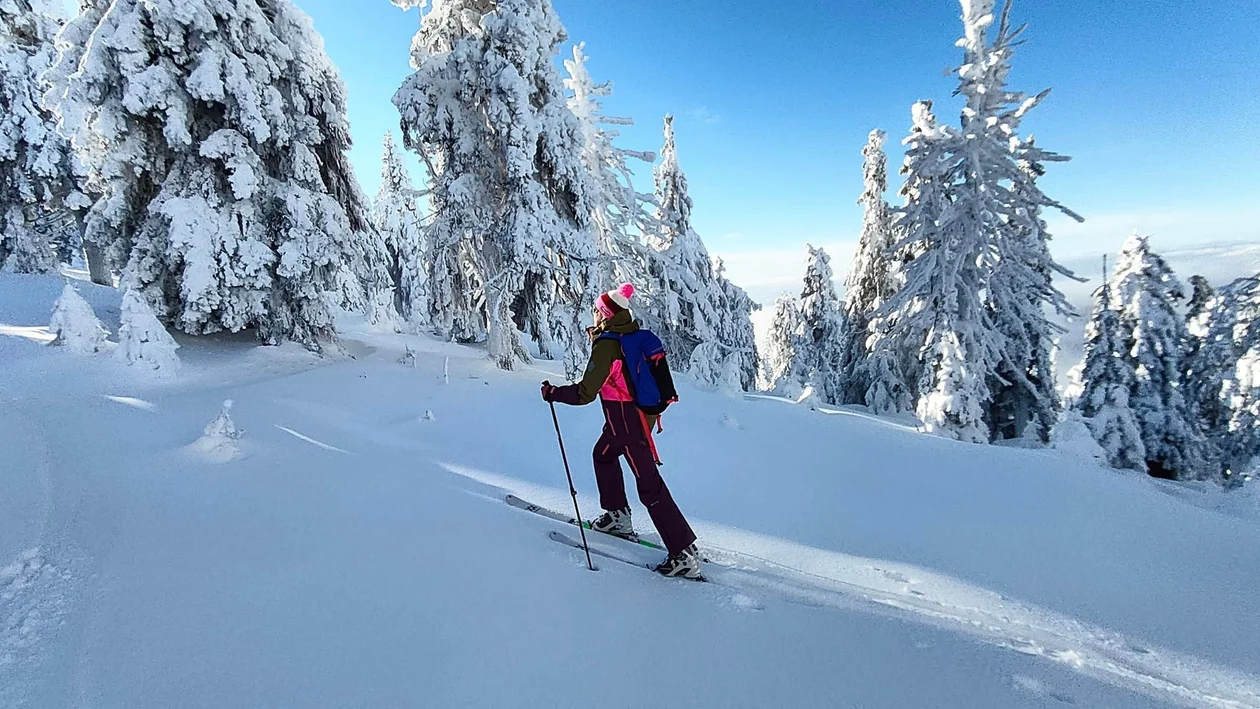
547,390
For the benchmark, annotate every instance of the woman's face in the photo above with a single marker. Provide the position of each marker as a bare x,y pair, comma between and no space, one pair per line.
598,317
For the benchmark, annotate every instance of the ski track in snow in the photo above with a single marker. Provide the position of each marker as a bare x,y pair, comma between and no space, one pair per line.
947,603
826,579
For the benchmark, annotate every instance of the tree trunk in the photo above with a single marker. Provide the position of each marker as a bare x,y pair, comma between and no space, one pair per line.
98,266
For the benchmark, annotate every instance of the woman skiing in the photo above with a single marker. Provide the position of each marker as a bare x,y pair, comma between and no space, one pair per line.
627,433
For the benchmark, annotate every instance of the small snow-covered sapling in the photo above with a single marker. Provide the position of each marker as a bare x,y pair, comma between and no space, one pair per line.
223,427
74,324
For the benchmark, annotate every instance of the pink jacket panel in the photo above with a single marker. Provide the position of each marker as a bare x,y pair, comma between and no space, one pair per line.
615,387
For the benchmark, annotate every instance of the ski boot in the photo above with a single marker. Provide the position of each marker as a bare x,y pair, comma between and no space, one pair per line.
685,564
615,522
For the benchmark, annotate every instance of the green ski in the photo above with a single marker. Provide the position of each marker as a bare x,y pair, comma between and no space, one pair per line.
518,503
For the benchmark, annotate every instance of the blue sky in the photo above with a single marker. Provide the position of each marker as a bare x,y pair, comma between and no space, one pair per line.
1158,101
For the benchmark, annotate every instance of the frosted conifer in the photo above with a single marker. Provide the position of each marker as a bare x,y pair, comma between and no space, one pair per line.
75,326
215,144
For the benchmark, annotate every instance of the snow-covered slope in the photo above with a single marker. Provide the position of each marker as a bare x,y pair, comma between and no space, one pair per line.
359,553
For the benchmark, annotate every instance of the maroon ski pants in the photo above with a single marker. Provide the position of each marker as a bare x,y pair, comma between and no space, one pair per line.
626,434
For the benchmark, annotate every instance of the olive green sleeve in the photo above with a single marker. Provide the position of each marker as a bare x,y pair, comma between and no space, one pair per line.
603,354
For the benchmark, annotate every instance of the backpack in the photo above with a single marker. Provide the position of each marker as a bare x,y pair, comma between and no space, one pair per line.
646,369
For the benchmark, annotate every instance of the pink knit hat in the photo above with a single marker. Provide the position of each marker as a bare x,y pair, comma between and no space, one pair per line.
615,301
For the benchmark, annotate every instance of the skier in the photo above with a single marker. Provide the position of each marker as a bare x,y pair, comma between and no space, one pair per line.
627,432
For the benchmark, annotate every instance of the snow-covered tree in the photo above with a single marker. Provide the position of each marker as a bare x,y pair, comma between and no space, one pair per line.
735,332
36,179
1106,378
939,314
900,326
783,370
621,217
872,278
1241,445
397,217
509,237
979,277
1218,329
822,327
221,440
1155,336
1021,290
1221,374
215,142
682,266
74,325
222,427
952,391
71,44
1199,309
142,339
704,318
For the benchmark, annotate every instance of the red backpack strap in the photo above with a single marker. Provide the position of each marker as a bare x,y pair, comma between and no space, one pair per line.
647,431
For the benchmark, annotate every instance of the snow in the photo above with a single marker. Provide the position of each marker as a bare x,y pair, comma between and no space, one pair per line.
857,563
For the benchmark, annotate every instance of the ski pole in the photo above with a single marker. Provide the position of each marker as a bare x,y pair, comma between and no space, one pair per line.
572,490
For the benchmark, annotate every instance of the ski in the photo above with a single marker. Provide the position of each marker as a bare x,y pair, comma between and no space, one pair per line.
571,542
518,503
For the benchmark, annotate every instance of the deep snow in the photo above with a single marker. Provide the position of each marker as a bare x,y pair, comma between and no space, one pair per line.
358,552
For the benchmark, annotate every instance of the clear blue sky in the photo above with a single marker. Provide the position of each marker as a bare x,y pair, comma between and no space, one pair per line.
1158,101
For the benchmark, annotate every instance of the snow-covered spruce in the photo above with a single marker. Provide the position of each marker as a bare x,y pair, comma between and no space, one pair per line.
142,339
783,369
683,268
1199,309
1221,372
976,290
74,324
872,277
509,239
1241,445
822,328
938,321
706,319
735,332
621,217
396,214
1155,337
220,442
1106,378
1217,330
215,143
895,366
36,180
1074,436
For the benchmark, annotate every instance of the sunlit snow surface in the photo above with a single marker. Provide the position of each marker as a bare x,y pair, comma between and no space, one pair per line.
856,562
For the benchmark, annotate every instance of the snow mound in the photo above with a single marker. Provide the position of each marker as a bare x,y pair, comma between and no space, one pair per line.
75,325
